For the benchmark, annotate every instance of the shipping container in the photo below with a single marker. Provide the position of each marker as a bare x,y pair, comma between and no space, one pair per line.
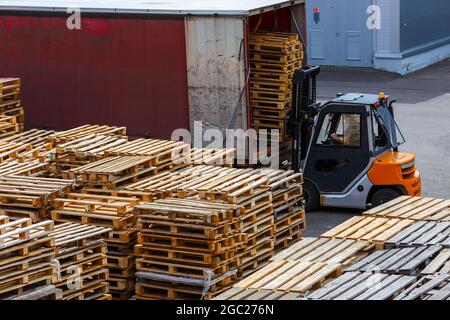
153,66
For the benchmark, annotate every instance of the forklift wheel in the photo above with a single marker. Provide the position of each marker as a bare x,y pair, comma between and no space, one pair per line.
312,196
384,195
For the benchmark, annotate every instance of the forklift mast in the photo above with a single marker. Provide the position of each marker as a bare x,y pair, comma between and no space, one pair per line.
304,109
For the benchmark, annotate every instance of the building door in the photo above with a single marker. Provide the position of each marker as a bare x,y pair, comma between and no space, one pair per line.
338,33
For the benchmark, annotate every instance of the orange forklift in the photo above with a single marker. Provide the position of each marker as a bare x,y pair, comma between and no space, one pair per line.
348,148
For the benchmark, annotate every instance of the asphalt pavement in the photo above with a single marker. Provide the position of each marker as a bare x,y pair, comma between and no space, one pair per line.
423,114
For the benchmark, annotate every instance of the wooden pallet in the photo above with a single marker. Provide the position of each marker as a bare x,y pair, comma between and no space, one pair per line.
408,261
181,269
428,288
415,208
9,89
208,182
99,291
375,230
288,237
290,276
113,172
163,291
83,281
326,250
47,292
440,264
363,286
214,157
25,282
422,233
91,146
16,232
271,95
144,196
186,210
268,113
8,126
35,137
85,130
74,234
270,105
11,150
161,151
35,215
30,168
36,192
208,260
197,245
236,293
189,230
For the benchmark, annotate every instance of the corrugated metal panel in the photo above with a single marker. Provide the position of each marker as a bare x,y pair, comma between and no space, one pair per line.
216,69
128,72
223,7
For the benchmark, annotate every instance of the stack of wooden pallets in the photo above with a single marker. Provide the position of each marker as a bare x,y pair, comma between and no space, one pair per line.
30,197
112,172
10,101
288,209
81,262
187,249
246,188
274,56
26,255
113,212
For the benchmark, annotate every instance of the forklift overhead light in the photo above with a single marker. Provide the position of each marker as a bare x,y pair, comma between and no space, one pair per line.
381,95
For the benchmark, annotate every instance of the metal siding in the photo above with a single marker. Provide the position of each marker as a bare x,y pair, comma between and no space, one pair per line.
216,71
129,72
424,22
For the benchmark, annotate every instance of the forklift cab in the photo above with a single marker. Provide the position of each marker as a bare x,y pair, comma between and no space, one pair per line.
353,141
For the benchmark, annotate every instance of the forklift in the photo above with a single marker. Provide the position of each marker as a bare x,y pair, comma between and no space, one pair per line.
347,148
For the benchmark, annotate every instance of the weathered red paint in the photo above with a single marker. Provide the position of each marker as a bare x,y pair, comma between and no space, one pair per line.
117,71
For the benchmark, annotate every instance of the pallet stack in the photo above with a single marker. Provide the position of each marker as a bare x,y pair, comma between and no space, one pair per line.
30,197
81,262
274,56
246,188
187,249
288,209
26,255
112,212
10,105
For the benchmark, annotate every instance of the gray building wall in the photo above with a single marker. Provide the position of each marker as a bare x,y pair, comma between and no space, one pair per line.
424,24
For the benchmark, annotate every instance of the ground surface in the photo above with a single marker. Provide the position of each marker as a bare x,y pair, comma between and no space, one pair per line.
423,114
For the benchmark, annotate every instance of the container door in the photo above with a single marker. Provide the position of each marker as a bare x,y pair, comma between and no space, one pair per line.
338,33
216,70
322,40
354,38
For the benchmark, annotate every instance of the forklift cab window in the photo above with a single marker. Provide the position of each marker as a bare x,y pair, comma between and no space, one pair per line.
340,129
380,138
